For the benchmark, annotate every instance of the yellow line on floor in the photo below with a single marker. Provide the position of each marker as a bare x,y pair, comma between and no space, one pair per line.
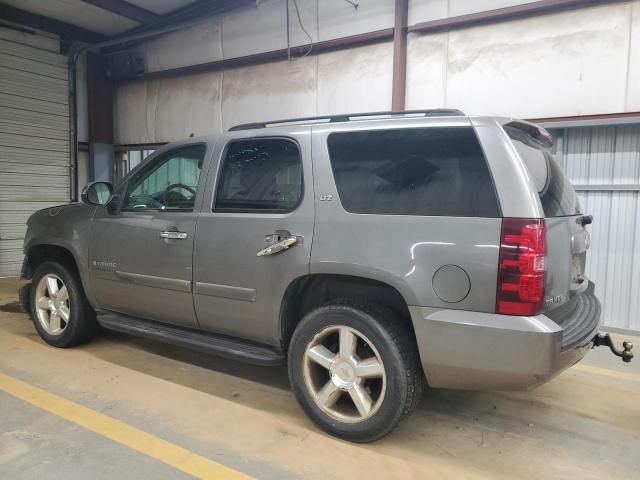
162,450
607,372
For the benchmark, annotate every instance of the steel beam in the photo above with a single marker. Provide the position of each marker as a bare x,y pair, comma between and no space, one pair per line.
125,9
533,9
607,188
399,55
274,55
622,118
100,102
197,11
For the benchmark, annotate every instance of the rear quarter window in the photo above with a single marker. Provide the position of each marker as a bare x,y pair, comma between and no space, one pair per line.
426,172
557,195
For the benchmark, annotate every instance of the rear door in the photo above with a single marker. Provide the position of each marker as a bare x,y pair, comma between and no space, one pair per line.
260,201
567,238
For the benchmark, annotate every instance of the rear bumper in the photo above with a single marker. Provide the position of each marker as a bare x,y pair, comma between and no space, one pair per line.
579,319
485,351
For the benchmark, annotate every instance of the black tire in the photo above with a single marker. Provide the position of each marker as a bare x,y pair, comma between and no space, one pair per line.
82,326
395,344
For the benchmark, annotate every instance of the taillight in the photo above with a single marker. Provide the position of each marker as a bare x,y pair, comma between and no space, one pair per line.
521,269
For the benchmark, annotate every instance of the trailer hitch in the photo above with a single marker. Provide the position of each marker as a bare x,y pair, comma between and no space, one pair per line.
604,339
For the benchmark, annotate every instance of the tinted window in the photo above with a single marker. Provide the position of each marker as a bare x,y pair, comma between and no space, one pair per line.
428,171
168,182
557,195
264,174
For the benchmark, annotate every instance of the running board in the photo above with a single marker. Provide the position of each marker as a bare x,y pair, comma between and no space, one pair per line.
206,342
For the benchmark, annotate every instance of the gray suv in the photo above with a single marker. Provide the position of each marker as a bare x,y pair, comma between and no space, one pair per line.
372,253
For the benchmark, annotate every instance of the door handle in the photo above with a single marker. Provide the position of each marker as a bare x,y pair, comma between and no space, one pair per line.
174,235
281,241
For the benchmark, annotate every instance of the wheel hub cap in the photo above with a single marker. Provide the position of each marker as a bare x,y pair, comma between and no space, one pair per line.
343,374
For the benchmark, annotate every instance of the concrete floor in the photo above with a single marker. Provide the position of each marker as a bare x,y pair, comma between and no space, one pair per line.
584,424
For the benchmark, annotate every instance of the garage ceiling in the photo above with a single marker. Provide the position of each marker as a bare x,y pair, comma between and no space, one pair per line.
102,18
78,13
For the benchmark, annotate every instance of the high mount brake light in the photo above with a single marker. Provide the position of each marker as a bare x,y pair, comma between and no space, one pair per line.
522,267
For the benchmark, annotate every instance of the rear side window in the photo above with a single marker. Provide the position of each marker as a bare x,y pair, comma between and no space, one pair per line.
263,175
557,196
426,171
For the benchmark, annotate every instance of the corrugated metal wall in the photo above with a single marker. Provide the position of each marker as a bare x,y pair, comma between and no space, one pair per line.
604,165
34,142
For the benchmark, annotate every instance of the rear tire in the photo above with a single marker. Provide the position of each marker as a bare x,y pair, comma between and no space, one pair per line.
359,396
59,308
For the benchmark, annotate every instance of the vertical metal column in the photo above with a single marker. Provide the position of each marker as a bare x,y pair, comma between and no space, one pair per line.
399,55
100,90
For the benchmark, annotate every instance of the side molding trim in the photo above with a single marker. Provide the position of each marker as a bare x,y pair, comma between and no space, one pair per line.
226,291
156,282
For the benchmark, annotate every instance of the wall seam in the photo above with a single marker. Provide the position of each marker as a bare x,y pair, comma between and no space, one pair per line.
221,88
445,80
625,105
220,101
445,76
317,56
636,253
614,150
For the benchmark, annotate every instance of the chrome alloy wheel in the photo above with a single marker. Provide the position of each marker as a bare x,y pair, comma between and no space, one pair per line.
344,374
52,304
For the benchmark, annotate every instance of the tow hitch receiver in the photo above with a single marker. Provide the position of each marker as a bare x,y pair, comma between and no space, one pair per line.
604,339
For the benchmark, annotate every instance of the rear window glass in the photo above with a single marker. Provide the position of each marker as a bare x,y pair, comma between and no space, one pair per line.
557,195
426,171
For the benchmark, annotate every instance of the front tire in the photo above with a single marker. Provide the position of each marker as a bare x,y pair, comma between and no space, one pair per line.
354,369
59,308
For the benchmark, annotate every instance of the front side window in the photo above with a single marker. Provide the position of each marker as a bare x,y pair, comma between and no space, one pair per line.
420,171
260,175
170,182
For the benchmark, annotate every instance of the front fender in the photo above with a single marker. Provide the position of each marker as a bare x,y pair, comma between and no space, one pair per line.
67,227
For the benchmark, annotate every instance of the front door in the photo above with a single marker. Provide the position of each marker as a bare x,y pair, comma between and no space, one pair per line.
254,233
141,256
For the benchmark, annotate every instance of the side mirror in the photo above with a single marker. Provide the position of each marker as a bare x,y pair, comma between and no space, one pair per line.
97,193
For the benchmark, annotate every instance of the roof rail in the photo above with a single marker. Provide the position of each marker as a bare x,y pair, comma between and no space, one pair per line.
346,117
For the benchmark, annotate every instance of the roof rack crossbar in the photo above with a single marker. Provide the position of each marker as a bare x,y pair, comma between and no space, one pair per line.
345,117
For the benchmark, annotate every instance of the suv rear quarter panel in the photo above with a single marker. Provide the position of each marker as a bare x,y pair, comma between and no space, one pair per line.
402,251
516,189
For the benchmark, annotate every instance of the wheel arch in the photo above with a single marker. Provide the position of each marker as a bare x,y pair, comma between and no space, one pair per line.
39,253
311,291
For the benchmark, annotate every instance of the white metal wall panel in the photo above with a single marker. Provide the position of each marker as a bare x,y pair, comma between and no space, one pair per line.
604,164
34,142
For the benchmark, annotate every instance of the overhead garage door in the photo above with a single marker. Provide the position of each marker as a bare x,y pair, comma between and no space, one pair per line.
34,142
604,165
